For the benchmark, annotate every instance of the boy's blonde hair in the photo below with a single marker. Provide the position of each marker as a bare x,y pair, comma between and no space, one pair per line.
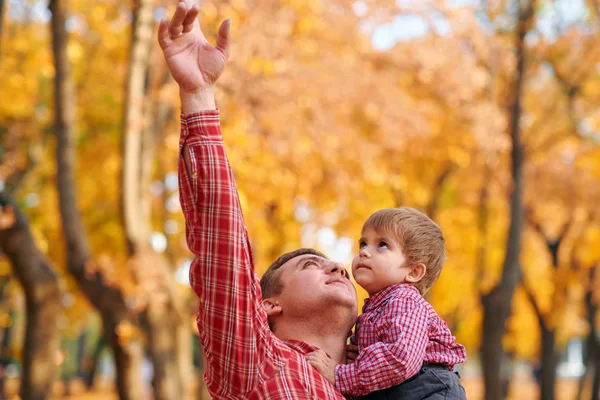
420,239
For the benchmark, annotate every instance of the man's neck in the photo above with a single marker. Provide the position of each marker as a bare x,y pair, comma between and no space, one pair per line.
329,336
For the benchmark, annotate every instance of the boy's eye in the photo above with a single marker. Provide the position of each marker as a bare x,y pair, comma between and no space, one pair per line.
361,245
383,245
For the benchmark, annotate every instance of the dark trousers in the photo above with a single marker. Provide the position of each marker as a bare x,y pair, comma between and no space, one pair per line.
433,382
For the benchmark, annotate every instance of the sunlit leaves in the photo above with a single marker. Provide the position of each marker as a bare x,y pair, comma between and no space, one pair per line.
322,130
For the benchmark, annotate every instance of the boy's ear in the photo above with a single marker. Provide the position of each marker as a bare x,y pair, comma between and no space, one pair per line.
416,273
272,307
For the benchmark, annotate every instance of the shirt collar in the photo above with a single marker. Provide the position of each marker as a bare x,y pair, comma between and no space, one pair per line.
380,298
300,346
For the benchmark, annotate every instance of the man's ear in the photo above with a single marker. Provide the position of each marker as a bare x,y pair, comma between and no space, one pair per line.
272,307
416,273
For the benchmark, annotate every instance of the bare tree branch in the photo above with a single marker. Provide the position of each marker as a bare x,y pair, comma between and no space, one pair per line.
536,308
433,203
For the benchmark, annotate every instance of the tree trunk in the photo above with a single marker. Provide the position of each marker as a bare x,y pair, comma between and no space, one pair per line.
109,301
5,354
596,380
483,213
164,344
43,301
128,355
133,126
592,351
587,362
491,352
163,317
93,367
173,344
548,355
549,363
81,368
497,304
1,22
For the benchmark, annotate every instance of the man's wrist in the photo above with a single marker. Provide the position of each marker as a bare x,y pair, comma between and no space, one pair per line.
198,100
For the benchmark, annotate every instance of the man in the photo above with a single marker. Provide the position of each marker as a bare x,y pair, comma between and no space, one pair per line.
254,336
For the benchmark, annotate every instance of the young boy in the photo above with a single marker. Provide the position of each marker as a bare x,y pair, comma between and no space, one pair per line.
405,350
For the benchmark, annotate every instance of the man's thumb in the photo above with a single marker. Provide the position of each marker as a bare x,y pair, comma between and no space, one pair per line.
223,37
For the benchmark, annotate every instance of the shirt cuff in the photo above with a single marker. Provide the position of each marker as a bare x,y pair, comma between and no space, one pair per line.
203,124
346,378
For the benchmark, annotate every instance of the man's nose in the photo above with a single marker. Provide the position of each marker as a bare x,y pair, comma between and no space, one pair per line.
337,268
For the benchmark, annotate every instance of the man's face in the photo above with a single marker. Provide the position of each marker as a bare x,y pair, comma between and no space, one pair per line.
379,262
312,284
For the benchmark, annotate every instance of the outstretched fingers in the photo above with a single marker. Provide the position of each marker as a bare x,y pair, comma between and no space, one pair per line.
176,25
163,32
191,17
167,30
223,37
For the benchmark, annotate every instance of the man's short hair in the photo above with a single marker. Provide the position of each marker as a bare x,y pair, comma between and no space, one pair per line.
420,239
270,283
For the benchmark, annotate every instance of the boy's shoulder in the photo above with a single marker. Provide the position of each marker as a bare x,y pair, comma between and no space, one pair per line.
406,298
409,305
407,291
397,299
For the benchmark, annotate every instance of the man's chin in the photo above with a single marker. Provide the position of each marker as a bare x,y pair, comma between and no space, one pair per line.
343,299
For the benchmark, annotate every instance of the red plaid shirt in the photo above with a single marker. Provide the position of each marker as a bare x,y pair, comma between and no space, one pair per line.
244,358
397,332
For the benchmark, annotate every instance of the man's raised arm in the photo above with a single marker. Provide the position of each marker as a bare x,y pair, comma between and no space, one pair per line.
231,320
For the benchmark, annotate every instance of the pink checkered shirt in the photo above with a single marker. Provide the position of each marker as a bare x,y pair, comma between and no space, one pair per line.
397,332
244,360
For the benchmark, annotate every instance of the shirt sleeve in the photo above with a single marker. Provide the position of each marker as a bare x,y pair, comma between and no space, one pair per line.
232,322
396,356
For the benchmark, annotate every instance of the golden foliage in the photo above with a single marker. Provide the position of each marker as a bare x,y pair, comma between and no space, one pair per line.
322,129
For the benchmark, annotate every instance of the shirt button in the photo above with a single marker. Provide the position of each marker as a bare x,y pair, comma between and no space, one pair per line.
195,175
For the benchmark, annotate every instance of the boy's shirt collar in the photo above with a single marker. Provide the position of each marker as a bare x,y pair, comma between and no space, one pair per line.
381,297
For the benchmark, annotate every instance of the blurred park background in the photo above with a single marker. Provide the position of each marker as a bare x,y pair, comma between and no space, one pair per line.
483,114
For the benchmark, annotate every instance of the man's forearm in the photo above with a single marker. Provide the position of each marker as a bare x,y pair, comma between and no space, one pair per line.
196,102
193,102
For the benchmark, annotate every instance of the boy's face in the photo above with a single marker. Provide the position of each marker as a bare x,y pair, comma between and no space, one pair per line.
379,263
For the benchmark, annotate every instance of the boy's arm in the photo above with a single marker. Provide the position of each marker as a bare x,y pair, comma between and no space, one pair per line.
398,354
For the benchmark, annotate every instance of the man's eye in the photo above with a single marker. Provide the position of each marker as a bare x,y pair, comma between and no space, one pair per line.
309,263
383,245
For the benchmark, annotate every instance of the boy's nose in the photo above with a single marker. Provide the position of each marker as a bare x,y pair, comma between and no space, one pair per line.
364,252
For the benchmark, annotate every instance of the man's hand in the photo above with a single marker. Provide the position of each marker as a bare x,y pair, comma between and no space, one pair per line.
194,63
325,365
351,353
